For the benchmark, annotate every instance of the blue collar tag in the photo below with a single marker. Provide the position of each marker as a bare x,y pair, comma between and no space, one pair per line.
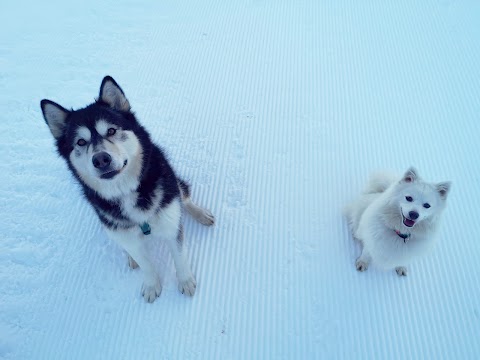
403,236
146,229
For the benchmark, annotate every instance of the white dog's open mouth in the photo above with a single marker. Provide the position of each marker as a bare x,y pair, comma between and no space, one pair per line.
111,174
408,222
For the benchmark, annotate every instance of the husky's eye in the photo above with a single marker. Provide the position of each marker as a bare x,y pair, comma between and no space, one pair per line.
81,142
426,205
409,198
111,132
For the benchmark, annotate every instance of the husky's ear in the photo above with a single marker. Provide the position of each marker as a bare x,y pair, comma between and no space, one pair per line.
443,188
55,116
410,175
113,95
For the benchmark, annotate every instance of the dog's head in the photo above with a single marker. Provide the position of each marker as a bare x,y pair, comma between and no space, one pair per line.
99,142
419,200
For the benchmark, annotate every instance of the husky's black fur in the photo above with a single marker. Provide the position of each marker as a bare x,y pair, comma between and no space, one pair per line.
156,171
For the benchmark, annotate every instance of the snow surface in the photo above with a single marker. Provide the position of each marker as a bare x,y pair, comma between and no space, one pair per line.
276,112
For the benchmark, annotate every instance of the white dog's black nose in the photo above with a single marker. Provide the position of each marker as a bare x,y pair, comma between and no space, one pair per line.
101,160
413,215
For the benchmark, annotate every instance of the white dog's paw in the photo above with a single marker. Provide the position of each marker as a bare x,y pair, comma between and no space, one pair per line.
361,265
401,271
151,292
188,286
132,263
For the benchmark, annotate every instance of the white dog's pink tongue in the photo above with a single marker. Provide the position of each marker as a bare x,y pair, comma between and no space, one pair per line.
408,222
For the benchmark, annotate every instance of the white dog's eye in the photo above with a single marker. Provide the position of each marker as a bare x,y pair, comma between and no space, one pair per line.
111,132
409,198
426,205
81,142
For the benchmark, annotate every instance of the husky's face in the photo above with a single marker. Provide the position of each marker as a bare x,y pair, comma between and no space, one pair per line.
99,141
102,151
419,200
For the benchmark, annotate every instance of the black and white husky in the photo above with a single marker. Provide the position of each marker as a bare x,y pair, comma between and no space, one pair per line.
127,179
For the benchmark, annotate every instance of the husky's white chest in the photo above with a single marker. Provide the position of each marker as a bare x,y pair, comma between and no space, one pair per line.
131,209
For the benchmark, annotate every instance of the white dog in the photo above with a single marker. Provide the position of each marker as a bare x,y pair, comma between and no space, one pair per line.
396,220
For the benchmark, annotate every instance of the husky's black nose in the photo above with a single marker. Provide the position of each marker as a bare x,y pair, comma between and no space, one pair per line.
413,215
101,160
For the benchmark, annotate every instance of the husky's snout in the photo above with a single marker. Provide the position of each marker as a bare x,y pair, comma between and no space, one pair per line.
105,165
101,160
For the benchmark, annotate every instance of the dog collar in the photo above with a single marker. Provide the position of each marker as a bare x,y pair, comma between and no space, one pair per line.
146,229
403,236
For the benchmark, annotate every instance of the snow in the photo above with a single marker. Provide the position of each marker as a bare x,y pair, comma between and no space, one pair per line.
276,112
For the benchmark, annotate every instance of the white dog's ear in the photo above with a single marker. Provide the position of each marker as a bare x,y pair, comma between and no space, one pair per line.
410,176
112,94
55,116
443,188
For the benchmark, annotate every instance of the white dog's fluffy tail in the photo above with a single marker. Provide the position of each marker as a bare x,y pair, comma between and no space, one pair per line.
379,182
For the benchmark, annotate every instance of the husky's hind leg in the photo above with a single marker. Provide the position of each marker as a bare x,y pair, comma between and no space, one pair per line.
203,216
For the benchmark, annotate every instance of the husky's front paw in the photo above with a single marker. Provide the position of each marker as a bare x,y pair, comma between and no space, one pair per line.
361,265
188,286
151,292
401,271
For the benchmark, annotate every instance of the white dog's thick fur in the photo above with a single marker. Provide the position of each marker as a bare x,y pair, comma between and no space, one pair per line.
396,219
